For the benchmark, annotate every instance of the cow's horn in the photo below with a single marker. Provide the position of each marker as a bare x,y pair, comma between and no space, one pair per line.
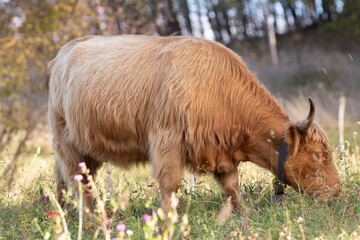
305,124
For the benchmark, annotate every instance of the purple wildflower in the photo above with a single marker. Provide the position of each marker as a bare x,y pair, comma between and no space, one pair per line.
146,218
78,177
246,223
116,238
82,164
121,227
154,212
355,133
15,193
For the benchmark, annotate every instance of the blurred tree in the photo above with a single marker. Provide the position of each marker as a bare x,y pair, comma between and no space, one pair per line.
213,16
348,21
133,16
168,23
185,12
31,34
200,16
328,10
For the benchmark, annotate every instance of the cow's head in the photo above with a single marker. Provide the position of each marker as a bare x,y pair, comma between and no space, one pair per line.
310,166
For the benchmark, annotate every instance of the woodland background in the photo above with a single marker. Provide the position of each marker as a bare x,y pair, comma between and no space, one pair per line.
296,47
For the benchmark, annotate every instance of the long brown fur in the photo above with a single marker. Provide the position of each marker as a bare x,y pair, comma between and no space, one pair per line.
172,101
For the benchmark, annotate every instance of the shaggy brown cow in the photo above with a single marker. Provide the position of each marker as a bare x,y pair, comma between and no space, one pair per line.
175,102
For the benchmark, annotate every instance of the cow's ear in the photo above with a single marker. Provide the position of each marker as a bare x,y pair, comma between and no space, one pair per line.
292,137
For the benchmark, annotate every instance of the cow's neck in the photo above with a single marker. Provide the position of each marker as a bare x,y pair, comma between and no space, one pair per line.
264,144
263,114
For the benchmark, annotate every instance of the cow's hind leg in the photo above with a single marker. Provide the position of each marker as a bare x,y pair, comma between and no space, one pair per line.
92,165
67,166
166,160
60,182
229,181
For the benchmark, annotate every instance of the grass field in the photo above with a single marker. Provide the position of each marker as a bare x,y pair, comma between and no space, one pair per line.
130,202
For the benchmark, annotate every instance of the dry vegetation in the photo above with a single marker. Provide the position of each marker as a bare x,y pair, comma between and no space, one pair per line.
130,201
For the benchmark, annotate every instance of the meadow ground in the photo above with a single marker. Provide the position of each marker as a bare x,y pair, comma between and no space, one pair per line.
128,203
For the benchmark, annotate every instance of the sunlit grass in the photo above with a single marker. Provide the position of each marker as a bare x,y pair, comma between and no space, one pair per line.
131,200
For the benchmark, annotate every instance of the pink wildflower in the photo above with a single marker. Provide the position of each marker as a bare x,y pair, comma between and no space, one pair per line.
78,177
121,227
146,218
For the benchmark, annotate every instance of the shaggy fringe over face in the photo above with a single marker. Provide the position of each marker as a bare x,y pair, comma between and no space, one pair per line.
314,135
317,135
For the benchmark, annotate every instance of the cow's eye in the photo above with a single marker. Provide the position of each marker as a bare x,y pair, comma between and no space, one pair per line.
317,156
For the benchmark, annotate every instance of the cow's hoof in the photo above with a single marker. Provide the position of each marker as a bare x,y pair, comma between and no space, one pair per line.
277,199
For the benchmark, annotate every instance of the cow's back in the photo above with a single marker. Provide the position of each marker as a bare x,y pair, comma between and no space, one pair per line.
112,91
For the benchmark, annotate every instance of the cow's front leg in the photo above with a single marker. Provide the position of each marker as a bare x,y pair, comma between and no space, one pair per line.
166,160
169,182
229,181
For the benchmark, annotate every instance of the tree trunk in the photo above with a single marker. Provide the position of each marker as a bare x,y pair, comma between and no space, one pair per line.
226,19
173,25
114,8
186,14
213,21
198,12
285,6
271,37
296,19
217,19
